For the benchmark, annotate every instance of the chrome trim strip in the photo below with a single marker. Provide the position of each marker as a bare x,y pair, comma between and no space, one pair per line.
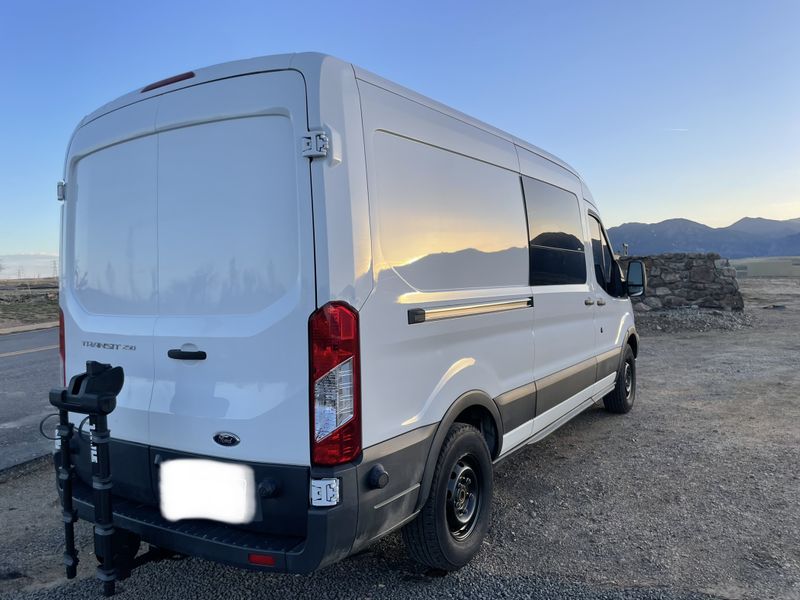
421,315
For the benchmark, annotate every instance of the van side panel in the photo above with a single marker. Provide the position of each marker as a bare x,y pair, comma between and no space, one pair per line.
448,226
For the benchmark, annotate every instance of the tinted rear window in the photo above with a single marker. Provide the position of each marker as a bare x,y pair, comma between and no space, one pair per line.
192,221
227,216
114,268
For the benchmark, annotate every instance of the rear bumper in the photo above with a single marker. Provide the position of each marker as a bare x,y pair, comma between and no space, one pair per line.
231,545
299,538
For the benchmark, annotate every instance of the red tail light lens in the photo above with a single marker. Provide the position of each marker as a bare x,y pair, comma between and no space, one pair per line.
334,385
61,351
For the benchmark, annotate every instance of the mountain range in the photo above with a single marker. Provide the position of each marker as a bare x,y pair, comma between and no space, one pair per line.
747,237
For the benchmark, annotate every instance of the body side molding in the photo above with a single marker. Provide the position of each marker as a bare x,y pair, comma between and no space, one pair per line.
517,406
608,362
557,387
422,315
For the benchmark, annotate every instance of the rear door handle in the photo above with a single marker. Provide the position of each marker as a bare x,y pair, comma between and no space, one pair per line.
588,302
601,302
179,354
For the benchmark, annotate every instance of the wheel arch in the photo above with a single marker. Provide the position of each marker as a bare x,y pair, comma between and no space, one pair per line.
632,339
475,408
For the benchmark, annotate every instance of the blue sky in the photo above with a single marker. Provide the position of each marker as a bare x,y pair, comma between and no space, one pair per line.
669,109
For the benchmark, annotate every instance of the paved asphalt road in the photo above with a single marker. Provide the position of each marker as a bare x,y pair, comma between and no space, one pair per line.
28,369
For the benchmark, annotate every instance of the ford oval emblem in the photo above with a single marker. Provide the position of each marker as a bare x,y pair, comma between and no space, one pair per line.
225,438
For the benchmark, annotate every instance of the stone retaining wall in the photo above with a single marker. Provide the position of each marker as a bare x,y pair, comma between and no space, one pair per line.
687,280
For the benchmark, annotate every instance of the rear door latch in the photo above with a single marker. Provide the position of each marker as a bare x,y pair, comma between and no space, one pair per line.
316,144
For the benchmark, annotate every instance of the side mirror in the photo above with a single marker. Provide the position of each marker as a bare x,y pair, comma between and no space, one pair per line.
636,280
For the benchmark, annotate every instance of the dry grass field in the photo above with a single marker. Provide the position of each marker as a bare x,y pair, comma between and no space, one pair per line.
28,301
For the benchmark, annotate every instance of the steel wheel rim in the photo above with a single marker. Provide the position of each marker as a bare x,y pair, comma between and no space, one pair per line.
628,380
463,498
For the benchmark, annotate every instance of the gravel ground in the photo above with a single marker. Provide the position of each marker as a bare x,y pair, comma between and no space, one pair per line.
680,320
694,494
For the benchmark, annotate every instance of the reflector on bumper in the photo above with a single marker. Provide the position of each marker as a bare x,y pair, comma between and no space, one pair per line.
325,492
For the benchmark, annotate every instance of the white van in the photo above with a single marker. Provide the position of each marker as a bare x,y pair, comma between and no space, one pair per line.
337,304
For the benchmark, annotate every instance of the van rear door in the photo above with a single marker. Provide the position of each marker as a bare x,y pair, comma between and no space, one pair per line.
236,270
109,258
193,233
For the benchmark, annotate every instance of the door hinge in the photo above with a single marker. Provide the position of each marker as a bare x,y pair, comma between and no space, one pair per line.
315,144
61,191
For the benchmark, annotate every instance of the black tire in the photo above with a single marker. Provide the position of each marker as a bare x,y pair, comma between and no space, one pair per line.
620,400
453,523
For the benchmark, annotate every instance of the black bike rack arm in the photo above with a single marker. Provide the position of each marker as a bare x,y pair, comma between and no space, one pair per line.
66,474
93,393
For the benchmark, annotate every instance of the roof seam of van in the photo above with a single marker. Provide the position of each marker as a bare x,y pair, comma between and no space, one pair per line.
471,121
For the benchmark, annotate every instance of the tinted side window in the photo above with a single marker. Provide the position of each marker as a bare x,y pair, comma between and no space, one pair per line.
597,251
446,221
555,234
608,259
604,264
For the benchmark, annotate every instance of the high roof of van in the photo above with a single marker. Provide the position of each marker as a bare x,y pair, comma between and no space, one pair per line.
309,63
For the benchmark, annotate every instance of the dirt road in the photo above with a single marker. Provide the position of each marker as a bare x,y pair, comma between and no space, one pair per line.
694,492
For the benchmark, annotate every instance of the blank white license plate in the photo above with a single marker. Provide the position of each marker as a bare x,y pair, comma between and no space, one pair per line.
194,488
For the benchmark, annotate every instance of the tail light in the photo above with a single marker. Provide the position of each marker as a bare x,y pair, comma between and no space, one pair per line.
61,351
335,393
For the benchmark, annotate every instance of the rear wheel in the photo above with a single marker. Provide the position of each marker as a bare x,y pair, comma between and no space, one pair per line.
620,400
449,530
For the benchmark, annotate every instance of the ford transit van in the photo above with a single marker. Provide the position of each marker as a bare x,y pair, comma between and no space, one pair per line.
337,304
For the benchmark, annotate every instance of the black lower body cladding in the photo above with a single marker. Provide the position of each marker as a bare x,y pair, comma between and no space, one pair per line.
300,538
383,509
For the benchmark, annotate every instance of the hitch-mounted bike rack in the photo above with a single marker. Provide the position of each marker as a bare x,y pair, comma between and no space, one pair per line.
93,393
